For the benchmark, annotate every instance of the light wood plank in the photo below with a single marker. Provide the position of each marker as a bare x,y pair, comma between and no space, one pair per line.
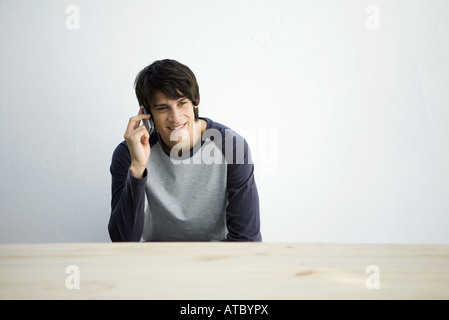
222,271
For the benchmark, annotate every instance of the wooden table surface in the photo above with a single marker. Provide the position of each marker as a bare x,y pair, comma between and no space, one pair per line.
221,271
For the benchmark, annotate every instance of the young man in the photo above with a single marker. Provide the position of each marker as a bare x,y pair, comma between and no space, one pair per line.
196,175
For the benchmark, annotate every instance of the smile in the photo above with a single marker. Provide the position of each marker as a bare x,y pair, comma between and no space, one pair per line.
178,127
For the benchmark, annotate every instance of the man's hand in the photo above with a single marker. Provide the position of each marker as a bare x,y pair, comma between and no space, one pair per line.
137,138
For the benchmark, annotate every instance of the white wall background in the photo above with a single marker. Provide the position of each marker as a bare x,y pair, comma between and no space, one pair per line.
345,105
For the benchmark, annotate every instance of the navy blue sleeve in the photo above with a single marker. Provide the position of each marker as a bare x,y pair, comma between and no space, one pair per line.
128,199
242,212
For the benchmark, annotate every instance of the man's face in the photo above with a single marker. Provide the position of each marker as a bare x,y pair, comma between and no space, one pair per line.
174,119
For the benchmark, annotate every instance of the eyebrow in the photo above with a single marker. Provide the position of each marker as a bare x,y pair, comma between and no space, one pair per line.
166,105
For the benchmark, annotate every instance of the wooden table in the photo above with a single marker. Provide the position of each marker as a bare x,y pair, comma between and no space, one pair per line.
220,271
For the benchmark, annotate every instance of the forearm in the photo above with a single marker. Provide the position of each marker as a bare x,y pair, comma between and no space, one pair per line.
243,217
128,214
128,198
242,211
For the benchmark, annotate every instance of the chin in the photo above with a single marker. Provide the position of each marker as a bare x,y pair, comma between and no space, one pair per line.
182,133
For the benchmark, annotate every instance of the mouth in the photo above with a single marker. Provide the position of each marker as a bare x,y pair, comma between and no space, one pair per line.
175,128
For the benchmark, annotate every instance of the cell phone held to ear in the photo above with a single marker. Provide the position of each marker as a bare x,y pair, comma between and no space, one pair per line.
148,123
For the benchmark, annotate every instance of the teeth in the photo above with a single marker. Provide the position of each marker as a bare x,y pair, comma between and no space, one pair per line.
176,128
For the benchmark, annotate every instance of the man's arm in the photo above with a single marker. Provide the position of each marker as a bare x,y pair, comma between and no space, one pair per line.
128,198
129,173
242,212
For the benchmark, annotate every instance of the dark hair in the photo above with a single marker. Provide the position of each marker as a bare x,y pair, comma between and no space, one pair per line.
172,78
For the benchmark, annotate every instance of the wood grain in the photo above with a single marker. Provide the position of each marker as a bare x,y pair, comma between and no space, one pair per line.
222,271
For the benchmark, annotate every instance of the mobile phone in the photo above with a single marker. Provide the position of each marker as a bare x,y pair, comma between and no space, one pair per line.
148,123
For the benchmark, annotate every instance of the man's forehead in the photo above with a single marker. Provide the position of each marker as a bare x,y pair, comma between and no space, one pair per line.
162,98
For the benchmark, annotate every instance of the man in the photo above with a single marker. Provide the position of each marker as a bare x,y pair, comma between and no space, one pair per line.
196,174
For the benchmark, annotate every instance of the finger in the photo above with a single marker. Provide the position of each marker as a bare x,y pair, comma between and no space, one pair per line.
142,132
142,111
134,122
137,134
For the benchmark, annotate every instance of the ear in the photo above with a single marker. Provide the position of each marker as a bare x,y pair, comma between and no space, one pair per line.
195,112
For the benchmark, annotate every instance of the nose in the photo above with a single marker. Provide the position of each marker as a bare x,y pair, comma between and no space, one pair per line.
175,115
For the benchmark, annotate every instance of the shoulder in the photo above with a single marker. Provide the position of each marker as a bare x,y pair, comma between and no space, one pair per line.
211,124
121,150
225,131
234,147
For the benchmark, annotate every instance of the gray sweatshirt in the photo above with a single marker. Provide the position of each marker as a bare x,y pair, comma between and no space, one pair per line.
208,194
